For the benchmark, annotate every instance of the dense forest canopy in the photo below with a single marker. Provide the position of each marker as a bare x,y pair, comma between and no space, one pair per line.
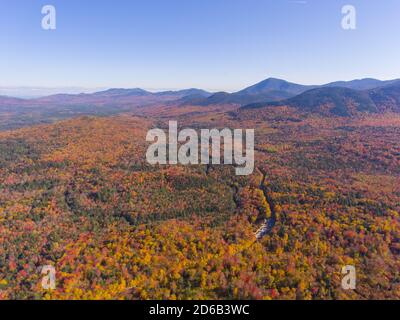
79,195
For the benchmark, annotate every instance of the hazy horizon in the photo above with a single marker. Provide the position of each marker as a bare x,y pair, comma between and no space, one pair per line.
27,92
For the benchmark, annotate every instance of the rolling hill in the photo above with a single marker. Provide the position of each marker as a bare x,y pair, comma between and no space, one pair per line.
339,101
273,85
271,89
387,98
361,84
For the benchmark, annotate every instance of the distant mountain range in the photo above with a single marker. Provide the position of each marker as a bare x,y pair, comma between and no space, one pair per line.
17,112
362,84
269,90
273,89
111,97
337,98
343,101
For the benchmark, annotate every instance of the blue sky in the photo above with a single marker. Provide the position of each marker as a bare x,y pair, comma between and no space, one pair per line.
212,44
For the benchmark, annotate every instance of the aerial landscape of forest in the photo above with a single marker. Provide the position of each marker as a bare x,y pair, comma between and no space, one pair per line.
78,195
